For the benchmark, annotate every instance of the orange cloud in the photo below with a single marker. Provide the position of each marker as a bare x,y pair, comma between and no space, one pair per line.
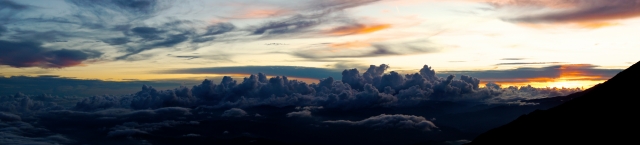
357,29
570,76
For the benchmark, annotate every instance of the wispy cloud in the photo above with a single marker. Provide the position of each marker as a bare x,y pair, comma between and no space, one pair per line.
548,73
587,13
526,63
357,29
290,71
375,50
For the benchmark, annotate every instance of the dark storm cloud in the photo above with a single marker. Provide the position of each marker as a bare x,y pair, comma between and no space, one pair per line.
553,71
292,71
32,54
397,121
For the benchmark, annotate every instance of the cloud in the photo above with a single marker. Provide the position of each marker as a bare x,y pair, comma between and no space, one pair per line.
10,9
117,41
291,71
3,29
39,36
129,9
357,29
293,24
569,11
337,5
125,132
219,28
315,14
352,44
8,4
513,59
7,117
147,33
24,133
303,113
32,54
234,112
580,71
353,104
525,63
397,121
378,50
374,88
259,13
63,86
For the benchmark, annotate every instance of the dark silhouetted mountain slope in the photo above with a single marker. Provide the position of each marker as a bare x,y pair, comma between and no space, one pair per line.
605,113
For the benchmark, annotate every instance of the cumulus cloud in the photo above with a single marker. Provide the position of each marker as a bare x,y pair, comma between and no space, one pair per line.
151,113
234,112
397,121
33,54
355,90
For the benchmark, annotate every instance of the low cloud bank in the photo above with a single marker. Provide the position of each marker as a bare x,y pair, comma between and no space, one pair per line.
359,103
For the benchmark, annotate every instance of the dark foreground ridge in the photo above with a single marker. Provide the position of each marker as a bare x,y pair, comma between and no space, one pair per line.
606,113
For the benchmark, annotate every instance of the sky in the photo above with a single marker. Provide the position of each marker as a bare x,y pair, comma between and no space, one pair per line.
555,43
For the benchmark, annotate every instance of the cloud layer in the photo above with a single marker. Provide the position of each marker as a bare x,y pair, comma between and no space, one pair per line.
374,107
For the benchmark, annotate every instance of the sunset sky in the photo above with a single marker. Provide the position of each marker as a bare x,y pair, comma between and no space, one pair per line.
555,43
